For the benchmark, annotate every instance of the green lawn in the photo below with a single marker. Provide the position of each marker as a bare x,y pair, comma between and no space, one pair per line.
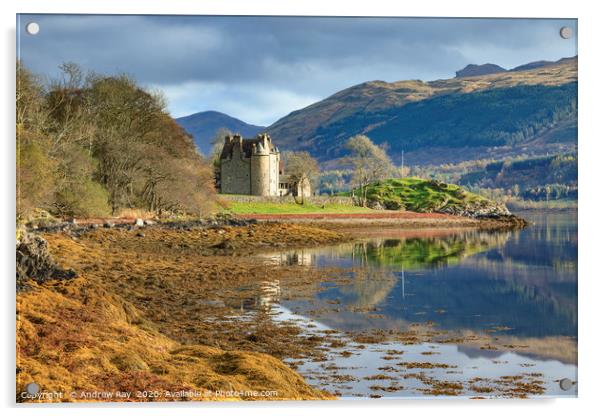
411,194
291,208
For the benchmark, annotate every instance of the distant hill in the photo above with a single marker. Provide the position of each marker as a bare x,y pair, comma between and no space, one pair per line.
532,65
553,177
501,114
204,125
472,70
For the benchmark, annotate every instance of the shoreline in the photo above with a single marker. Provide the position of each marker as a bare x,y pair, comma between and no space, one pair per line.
329,221
174,293
390,219
161,307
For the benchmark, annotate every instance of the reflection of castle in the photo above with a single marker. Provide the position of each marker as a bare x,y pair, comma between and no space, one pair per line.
291,258
269,294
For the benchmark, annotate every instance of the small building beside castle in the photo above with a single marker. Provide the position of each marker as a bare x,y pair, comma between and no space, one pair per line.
253,167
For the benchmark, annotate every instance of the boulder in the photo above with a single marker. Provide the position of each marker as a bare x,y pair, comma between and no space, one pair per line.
375,204
34,262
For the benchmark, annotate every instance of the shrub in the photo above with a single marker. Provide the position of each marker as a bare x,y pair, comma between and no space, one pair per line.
84,199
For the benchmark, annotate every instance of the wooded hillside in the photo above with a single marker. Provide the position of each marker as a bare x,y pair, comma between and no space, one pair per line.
94,145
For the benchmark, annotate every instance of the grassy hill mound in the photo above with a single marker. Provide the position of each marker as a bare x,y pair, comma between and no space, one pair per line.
424,195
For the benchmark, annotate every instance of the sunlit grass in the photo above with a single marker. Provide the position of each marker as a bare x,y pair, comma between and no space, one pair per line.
419,195
291,208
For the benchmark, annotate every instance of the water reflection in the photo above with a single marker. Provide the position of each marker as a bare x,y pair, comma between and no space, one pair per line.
508,300
395,254
261,298
353,370
524,281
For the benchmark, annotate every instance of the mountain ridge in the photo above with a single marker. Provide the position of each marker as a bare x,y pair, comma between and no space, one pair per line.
204,125
311,128
489,68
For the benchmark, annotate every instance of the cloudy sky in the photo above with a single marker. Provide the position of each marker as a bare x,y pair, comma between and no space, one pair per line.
259,69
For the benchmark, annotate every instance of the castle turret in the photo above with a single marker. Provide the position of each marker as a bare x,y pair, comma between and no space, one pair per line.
260,167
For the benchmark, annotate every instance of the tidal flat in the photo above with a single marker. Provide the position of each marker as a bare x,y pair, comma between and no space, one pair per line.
302,311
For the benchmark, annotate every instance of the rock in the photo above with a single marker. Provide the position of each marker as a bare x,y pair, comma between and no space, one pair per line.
375,204
149,222
35,263
394,205
224,245
139,234
478,210
139,222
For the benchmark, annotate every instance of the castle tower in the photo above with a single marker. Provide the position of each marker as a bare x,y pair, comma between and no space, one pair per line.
260,166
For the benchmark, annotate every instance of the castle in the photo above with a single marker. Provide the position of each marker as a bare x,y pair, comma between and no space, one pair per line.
253,167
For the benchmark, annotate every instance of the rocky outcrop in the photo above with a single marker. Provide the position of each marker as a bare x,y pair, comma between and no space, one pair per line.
473,70
34,262
479,209
487,211
78,228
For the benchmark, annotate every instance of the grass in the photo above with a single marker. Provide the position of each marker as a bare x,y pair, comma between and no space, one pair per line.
420,195
291,208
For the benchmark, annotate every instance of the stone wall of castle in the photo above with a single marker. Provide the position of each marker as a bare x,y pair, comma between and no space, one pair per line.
236,174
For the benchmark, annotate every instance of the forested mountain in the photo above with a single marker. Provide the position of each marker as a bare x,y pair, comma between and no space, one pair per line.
540,178
204,126
494,115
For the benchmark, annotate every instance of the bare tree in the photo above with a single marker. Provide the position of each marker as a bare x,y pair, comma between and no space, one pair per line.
217,143
370,163
301,166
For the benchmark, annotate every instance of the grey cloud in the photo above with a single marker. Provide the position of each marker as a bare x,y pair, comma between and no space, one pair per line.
307,57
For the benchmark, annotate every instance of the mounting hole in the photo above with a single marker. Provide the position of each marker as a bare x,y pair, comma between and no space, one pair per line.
32,388
566,32
32,28
566,384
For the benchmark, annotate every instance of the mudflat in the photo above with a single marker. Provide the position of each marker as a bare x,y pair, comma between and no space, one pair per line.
154,310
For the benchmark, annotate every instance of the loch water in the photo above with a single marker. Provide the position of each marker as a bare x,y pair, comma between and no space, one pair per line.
518,288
